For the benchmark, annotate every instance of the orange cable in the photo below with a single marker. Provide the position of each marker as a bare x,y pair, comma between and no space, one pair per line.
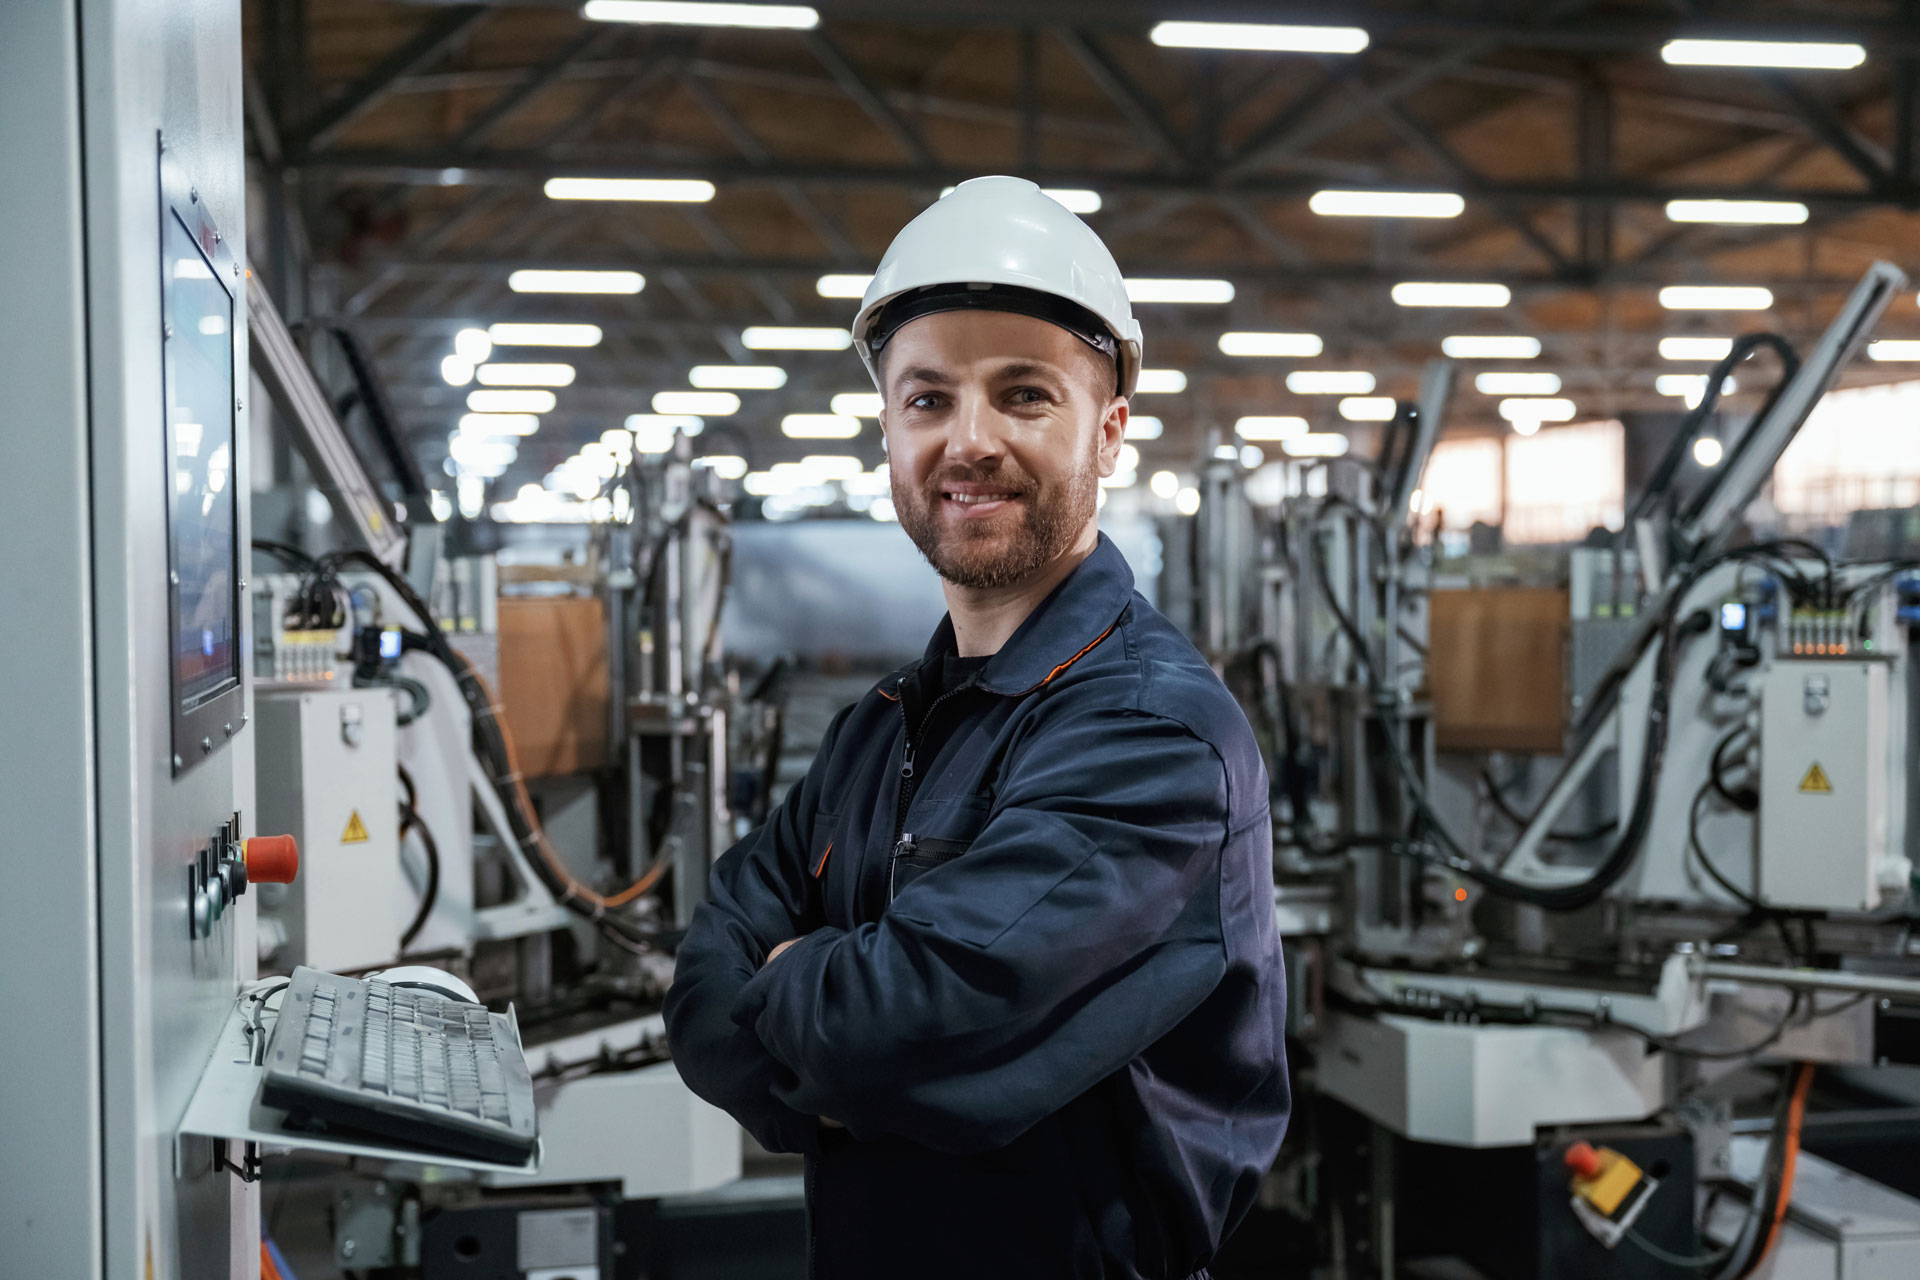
648,879
1796,1112
268,1270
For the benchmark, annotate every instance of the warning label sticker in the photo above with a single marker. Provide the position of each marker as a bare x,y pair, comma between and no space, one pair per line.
1815,783
357,830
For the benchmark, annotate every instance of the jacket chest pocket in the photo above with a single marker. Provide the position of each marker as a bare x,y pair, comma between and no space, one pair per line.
957,821
914,856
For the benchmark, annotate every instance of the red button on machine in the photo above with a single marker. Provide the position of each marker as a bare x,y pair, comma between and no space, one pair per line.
1583,1161
271,859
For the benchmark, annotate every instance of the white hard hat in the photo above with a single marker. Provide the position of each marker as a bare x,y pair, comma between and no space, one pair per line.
1002,244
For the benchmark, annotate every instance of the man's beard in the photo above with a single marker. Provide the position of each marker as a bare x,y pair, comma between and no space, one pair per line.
998,552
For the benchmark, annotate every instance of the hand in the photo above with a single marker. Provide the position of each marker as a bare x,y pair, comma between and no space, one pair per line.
775,953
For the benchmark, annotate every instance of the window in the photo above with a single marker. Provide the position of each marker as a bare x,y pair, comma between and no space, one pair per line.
1564,481
1860,449
1461,483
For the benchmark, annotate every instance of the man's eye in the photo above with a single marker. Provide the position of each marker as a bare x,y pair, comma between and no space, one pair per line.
1029,395
925,400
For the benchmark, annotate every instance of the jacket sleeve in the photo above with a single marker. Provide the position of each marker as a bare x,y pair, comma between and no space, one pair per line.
759,896
1081,925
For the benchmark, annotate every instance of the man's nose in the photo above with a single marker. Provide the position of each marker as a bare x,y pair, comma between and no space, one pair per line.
976,431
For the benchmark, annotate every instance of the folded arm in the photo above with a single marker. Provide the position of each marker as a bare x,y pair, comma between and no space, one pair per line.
1080,926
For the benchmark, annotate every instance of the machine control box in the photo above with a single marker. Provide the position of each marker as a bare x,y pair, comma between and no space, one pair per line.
327,773
1823,829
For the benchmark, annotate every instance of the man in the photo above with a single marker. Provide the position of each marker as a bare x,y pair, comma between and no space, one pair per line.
1004,966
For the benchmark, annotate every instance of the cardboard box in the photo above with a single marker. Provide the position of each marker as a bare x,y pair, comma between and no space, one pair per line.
1497,668
553,682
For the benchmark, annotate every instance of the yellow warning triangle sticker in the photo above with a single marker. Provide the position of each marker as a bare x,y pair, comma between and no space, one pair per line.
357,830
1815,783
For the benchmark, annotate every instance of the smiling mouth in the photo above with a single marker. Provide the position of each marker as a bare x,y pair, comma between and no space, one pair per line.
973,499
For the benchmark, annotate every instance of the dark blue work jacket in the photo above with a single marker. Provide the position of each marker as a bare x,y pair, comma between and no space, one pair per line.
1039,980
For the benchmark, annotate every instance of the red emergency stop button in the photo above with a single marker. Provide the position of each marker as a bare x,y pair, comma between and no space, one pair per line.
271,859
1583,1161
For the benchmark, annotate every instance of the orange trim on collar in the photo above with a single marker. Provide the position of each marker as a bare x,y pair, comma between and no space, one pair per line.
823,861
1076,657
890,697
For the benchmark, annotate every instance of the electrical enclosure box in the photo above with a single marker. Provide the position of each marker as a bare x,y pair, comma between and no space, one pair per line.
328,774
1824,781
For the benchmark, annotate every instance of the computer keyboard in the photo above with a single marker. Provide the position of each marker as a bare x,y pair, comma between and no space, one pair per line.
402,1063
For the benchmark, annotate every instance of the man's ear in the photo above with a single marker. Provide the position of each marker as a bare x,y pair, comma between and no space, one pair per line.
1113,432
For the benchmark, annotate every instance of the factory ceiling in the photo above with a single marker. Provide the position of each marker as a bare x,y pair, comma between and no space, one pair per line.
406,147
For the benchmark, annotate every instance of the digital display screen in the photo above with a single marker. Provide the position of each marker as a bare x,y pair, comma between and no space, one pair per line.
1733,616
200,425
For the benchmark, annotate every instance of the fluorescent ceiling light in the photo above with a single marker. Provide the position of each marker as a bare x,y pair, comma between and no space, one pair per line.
706,404
1164,484
667,190
1894,349
526,375
842,286
1265,37
1187,501
1796,54
1537,410
473,345
1160,381
1368,408
1251,456
819,426
1386,204
857,404
762,337
728,466
1317,444
687,13
692,424
652,434
1329,382
532,281
1707,451
1143,426
456,370
1490,346
1518,384
471,451
1147,289
1690,386
743,377
1076,199
832,466
511,401
498,424
1715,297
1695,348
544,335
1296,345
1424,293
1737,213
1268,427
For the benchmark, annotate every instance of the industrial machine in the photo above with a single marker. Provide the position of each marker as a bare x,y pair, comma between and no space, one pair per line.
1532,1018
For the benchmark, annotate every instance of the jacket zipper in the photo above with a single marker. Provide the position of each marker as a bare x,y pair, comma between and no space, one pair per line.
909,780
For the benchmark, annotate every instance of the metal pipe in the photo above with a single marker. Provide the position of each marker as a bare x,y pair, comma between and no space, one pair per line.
1808,979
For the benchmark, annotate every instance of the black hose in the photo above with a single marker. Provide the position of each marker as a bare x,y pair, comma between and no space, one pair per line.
411,821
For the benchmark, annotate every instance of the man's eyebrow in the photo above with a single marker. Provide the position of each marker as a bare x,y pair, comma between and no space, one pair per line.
925,374
1028,369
